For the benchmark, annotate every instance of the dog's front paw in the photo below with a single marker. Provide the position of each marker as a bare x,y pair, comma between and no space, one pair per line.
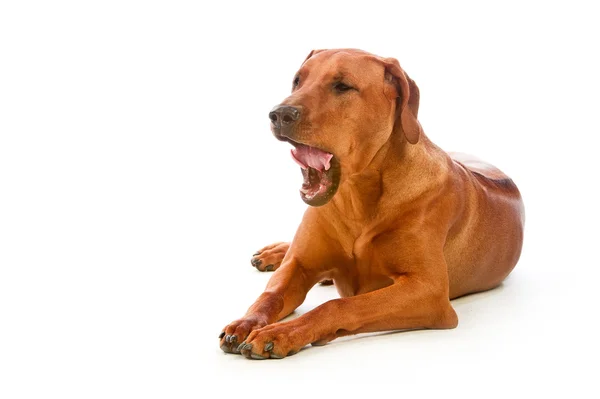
274,341
269,258
237,331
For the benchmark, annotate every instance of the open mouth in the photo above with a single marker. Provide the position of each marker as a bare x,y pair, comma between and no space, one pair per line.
321,173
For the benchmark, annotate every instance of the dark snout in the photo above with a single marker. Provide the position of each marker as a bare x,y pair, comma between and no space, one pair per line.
284,115
283,119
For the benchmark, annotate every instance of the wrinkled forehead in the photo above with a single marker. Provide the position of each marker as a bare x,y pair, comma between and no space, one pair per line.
337,64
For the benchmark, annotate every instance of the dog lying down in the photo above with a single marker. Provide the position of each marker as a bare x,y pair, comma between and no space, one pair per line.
400,226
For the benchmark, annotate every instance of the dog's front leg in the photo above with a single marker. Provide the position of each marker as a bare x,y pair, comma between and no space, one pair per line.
411,302
304,265
285,291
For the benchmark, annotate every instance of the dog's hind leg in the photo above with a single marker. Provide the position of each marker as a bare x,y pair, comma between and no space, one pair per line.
269,258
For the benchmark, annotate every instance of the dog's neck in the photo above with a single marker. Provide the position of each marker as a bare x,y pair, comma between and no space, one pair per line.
362,193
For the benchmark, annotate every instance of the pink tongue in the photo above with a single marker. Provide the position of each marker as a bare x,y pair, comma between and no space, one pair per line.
306,157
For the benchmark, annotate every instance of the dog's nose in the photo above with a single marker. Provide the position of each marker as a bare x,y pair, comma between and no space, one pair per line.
284,115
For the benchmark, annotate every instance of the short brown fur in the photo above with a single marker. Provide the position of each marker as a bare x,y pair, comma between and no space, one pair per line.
409,228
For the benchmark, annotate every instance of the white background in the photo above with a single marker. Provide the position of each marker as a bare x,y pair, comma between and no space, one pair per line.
138,175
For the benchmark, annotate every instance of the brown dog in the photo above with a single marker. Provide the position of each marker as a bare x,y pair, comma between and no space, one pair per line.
399,225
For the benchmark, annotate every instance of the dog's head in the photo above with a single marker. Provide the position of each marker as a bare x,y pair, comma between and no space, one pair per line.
345,105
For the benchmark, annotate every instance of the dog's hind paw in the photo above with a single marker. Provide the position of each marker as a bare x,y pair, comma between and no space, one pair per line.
269,258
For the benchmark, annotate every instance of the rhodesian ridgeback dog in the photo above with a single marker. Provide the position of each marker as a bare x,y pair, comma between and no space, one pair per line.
400,226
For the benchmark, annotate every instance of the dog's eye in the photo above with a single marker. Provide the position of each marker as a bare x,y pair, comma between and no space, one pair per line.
296,81
340,87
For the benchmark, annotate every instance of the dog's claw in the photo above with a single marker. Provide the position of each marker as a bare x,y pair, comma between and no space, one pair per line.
257,357
244,346
274,356
256,254
268,346
222,335
256,262
233,339
269,268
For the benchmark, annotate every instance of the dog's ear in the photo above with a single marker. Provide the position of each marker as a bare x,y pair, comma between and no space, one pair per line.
313,52
408,99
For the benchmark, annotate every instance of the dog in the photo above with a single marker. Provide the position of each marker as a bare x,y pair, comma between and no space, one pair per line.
399,225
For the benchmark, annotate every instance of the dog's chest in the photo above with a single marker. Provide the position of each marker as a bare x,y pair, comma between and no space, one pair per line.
363,272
